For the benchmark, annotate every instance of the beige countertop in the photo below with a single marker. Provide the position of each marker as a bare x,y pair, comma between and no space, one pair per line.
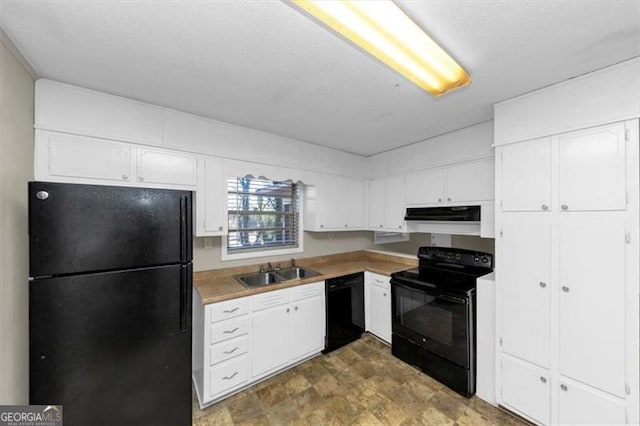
218,285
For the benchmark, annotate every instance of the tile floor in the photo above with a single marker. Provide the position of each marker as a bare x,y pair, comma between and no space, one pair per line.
361,383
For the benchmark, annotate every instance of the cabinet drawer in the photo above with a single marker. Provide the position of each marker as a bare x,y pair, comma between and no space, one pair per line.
229,309
380,281
228,349
228,375
229,329
270,299
308,290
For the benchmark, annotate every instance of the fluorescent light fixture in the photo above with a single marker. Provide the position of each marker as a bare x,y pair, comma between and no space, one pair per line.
383,30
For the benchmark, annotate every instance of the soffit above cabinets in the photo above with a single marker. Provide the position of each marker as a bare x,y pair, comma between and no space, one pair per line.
265,66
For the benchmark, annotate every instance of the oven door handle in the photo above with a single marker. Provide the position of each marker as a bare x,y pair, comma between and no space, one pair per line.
453,299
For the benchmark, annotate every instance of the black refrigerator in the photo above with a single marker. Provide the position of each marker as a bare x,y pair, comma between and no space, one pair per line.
110,303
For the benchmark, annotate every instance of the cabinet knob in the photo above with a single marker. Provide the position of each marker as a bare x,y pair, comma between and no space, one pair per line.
346,226
545,207
295,309
380,226
384,294
219,228
448,198
564,207
321,226
543,284
564,387
543,379
140,178
399,226
288,310
565,289
125,177
439,200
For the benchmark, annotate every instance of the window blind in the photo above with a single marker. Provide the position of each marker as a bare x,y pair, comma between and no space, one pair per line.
263,214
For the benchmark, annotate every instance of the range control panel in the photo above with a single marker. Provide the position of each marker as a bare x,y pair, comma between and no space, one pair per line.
456,256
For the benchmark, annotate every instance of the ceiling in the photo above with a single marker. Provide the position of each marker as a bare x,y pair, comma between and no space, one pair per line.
264,65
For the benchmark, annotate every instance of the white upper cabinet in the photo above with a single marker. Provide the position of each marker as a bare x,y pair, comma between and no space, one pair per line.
377,197
469,182
210,198
387,204
426,187
70,158
592,169
353,214
526,176
457,184
335,203
166,167
395,203
80,159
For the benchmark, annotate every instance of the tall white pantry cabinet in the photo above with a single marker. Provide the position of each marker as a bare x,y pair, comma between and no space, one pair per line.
567,277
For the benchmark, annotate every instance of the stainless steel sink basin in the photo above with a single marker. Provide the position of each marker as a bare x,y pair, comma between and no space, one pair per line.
295,273
258,279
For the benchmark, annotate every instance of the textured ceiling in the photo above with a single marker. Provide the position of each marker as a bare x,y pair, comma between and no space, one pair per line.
264,65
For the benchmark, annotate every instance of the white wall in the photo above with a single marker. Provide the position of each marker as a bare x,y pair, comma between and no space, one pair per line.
16,168
461,145
315,244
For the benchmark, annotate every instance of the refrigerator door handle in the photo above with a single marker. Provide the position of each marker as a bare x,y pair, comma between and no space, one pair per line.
183,229
185,298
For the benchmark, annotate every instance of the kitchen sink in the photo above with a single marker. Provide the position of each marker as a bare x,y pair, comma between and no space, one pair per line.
295,273
258,279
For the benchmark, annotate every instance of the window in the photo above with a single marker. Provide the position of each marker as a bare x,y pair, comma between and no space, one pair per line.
263,216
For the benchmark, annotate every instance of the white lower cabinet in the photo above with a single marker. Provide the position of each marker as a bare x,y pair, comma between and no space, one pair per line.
526,389
580,404
378,305
240,341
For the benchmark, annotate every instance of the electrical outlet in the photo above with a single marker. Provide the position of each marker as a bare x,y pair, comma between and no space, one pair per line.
208,243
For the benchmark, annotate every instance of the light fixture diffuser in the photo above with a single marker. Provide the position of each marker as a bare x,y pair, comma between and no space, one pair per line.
386,32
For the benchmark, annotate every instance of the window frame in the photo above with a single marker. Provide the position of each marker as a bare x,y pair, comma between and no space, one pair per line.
226,254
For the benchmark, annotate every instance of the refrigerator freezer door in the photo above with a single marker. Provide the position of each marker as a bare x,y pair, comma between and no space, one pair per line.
110,347
87,228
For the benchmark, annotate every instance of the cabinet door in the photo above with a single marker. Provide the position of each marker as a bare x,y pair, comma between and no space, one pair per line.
353,203
526,291
580,405
426,187
380,311
526,389
395,204
270,339
592,304
307,327
526,176
471,182
592,169
87,159
329,202
210,198
377,188
166,167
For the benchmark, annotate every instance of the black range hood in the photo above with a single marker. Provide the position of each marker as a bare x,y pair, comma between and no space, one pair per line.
444,214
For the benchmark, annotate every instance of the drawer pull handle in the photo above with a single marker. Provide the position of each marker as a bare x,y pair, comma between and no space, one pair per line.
231,331
230,377
231,351
230,311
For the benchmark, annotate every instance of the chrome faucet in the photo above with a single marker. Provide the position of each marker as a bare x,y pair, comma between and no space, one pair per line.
293,263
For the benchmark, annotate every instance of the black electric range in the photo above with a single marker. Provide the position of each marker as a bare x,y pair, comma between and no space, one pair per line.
433,314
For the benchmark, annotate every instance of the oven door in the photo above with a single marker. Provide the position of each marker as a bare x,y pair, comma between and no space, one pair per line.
440,323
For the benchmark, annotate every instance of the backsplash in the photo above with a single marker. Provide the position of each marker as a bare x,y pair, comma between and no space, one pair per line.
468,242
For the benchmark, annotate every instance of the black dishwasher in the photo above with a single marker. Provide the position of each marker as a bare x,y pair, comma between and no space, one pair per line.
345,310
